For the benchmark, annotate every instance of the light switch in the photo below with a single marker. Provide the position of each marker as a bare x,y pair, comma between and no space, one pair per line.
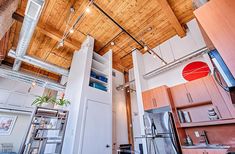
197,134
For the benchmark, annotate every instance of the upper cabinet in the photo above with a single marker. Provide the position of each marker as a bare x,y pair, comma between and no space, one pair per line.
217,19
156,98
197,91
180,95
190,92
199,96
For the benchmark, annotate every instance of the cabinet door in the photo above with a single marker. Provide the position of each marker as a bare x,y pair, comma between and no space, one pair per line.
217,19
179,95
147,100
197,91
161,96
217,99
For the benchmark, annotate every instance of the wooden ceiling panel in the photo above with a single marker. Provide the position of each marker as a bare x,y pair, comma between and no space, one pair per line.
145,20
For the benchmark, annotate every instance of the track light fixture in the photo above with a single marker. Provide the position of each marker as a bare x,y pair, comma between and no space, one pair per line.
71,30
154,56
60,44
112,43
145,48
34,84
88,10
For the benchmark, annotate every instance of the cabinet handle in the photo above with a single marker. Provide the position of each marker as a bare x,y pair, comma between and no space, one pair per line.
154,102
190,97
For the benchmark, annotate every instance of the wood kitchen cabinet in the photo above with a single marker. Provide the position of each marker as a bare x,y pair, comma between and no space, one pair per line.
197,91
217,99
156,98
147,100
179,95
204,151
217,19
190,92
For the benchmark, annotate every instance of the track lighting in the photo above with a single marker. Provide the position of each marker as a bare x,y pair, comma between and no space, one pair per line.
112,43
88,10
71,30
154,56
34,84
145,48
60,44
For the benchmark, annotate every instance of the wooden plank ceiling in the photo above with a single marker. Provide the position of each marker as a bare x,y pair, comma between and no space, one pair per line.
152,21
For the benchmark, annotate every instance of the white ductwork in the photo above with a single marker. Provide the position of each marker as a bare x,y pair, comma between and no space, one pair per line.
8,73
32,14
39,63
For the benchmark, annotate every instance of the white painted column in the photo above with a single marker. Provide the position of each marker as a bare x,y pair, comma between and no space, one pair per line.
79,71
141,85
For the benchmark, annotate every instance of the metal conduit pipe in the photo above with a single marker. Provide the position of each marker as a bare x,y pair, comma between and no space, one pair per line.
32,14
7,72
39,63
168,66
176,62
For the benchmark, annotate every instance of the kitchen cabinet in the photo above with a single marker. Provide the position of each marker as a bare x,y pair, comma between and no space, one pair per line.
156,98
190,92
147,100
204,151
217,19
217,99
197,97
197,91
179,95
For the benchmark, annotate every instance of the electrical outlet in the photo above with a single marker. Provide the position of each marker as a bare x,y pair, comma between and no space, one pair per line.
197,134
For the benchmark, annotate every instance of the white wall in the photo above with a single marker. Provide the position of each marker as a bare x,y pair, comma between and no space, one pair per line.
14,95
18,132
119,110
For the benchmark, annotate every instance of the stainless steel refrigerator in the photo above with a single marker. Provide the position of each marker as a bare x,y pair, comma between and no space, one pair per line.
160,132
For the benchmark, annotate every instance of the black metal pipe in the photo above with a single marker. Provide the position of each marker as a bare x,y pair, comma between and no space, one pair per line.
110,41
117,24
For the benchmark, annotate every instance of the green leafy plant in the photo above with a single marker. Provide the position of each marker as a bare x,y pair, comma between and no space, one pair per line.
62,102
47,100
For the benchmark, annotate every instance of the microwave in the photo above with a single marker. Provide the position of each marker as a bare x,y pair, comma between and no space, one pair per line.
221,73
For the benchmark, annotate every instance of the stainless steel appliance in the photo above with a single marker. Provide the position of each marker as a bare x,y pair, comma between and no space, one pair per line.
222,74
160,132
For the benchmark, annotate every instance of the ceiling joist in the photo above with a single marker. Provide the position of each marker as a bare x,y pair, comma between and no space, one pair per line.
50,33
172,18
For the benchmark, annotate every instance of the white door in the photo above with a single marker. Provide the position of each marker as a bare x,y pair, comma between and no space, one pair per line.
97,137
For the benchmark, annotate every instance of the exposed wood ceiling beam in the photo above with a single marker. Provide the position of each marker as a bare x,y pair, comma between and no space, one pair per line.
172,18
50,33
3,45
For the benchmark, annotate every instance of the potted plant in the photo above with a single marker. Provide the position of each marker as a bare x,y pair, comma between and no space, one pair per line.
47,100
